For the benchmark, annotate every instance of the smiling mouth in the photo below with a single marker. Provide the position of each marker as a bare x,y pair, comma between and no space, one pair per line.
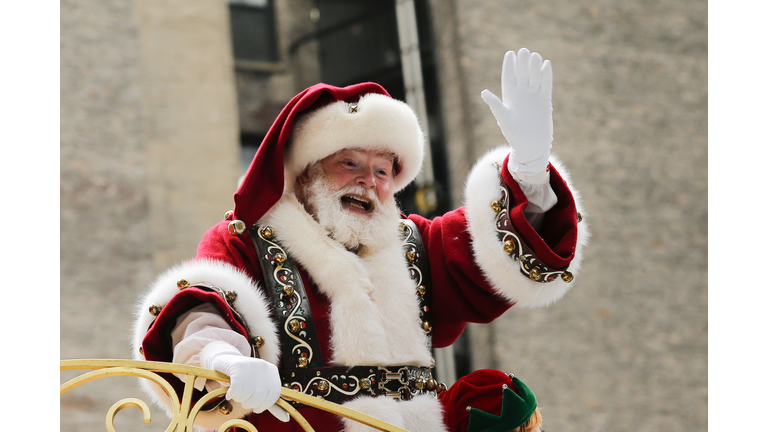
358,202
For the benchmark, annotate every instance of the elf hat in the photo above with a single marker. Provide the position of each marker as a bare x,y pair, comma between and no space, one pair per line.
488,400
319,122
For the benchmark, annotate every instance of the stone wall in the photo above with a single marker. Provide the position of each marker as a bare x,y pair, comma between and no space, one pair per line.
626,349
149,161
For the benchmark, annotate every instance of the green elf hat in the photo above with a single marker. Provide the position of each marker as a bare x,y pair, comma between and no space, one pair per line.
516,409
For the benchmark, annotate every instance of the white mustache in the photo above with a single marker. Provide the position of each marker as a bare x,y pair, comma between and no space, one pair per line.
359,190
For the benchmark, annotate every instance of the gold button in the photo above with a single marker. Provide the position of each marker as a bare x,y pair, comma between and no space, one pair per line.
230,296
419,383
225,407
268,232
258,342
155,309
228,214
402,226
421,289
411,255
280,257
496,206
509,246
236,227
567,276
303,362
365,383
294,325
288,290
535,274
182,283
323,386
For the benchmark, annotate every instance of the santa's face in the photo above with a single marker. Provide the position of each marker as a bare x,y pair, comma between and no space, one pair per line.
370,169
350,195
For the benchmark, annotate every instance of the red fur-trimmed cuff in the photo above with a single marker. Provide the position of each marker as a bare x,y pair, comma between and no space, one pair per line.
156,345
557,243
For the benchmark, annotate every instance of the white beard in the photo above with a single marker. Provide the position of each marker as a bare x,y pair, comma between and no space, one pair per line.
357,232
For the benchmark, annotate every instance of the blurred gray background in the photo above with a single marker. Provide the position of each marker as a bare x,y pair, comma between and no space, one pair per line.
162,104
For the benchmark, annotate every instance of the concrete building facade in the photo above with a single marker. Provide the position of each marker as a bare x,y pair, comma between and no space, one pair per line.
155,107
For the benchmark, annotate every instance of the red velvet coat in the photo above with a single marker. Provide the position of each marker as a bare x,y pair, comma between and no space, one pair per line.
473,280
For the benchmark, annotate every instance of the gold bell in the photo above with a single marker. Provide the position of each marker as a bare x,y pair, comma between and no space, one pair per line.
225,407
441,387
236,227
425,325
421,289
294,325
228,214
288,290
323,386
268,232
353,109
230,296
365,383
182,283
280,257
496,206
509,246
155,309
535,274
431,384
141,350
578,217
258,342
303,362
419,383
567,276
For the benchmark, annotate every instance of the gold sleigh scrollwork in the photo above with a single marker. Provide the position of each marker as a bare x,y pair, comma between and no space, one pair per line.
184,411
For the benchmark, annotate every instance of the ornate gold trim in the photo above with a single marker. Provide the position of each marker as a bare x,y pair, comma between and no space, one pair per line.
184,412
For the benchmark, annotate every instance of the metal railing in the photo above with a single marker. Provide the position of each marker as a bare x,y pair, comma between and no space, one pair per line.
184,410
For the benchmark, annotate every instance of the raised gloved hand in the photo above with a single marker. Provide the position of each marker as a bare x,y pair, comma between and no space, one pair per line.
524,112
254,383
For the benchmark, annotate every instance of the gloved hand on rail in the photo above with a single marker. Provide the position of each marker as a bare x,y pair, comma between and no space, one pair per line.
254,383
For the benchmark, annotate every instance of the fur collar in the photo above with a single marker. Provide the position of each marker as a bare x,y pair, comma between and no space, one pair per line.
374,306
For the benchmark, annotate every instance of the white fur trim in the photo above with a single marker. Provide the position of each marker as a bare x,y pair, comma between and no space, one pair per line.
504,273
374,305
379,123
421,414
250,303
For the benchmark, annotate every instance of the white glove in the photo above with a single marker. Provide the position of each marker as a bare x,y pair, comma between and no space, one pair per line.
254,383
524,113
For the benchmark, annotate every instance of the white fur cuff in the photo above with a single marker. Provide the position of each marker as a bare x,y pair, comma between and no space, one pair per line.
250,303
504,273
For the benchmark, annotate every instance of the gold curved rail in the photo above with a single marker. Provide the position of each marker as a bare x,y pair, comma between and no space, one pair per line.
184,410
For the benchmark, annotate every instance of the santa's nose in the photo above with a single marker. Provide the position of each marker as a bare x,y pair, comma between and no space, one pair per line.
366,178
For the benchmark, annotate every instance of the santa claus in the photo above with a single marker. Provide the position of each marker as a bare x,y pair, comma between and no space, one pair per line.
316,281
